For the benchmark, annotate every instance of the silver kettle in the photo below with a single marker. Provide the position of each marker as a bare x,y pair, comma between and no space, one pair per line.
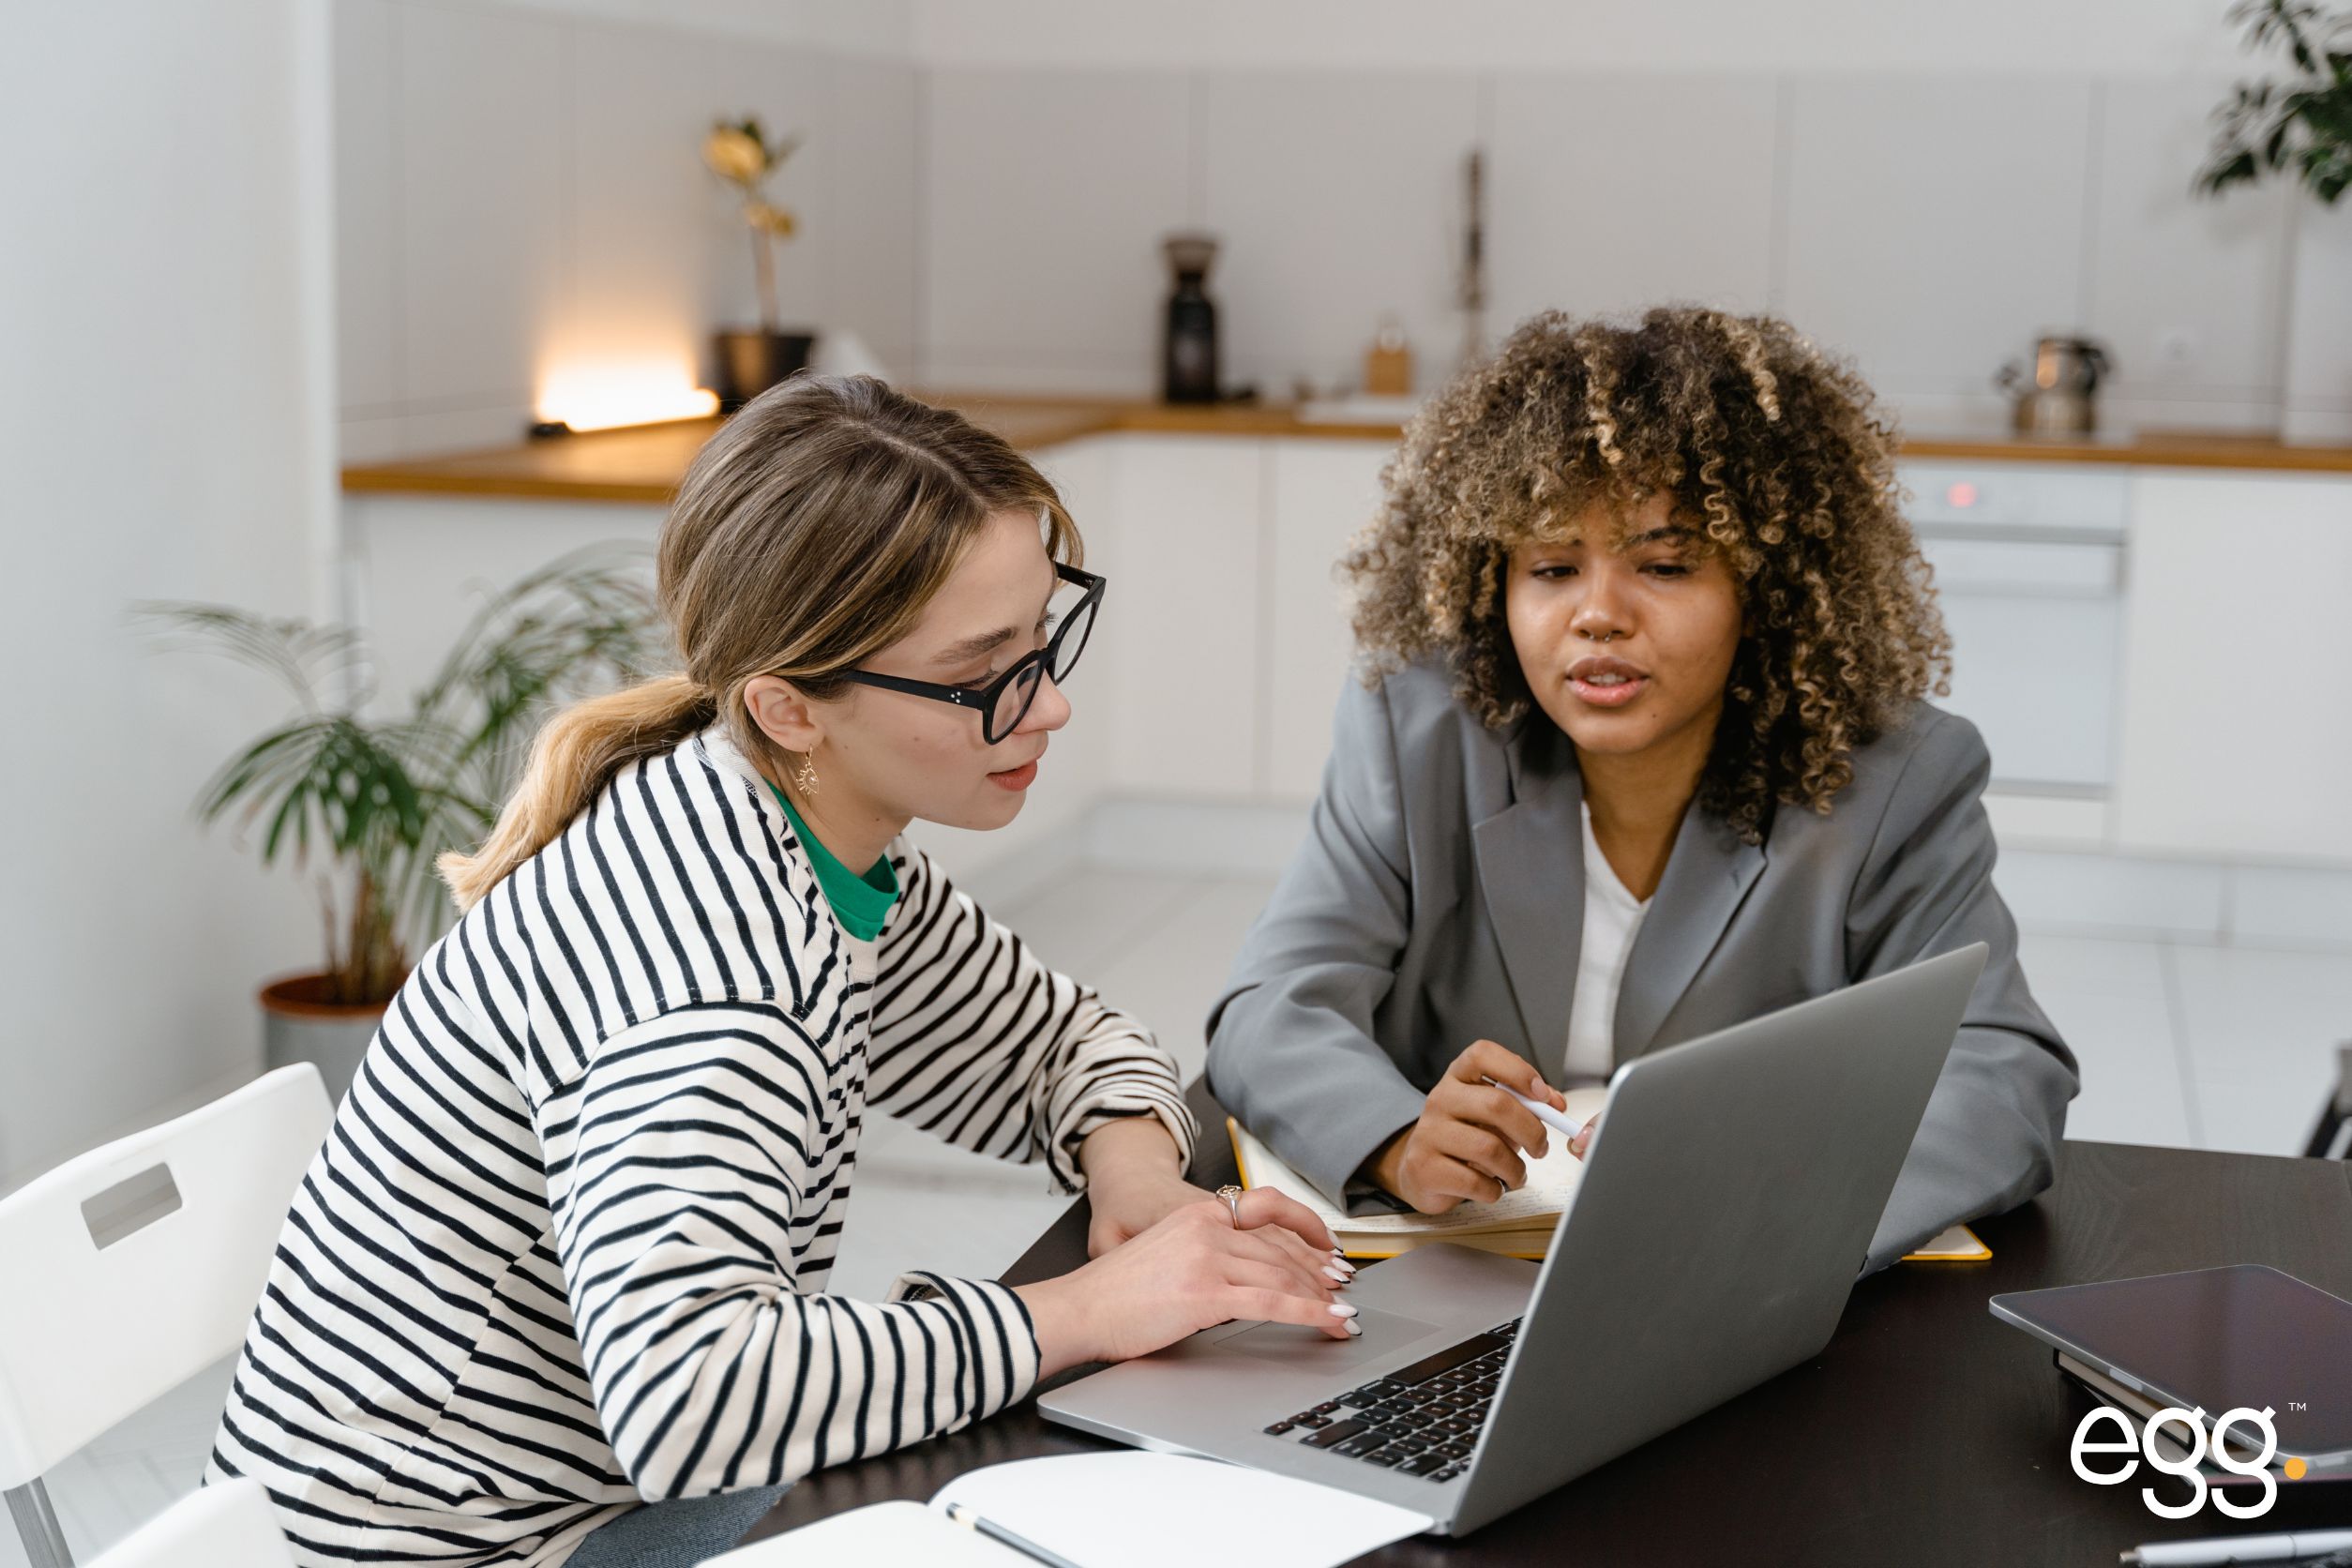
2058,397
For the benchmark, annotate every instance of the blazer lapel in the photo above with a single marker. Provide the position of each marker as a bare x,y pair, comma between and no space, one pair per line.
1707,877
1531,866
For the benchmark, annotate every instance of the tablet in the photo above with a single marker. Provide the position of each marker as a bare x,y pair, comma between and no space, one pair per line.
2220,1338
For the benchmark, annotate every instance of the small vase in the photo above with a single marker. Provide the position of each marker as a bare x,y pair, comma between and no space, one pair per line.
751,362
298,1024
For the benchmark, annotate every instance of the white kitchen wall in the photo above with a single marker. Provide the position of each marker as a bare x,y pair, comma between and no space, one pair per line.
1338,198
1611,191
2131,36
1044,194
165,426
883,29
1930,223
1646,152
479,212
519,190
1934,222
984,189
2189,294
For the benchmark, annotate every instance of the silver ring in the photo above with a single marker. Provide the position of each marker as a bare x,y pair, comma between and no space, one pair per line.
1232,1196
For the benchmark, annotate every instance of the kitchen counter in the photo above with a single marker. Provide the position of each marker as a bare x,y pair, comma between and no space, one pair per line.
643,463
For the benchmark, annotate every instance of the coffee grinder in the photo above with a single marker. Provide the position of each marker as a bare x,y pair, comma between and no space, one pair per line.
1188,359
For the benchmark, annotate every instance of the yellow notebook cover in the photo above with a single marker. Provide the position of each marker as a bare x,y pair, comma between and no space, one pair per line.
1519,1224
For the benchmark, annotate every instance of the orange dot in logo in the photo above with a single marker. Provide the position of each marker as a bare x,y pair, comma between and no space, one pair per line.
2295,1469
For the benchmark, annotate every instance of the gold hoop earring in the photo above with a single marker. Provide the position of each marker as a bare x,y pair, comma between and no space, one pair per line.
805,775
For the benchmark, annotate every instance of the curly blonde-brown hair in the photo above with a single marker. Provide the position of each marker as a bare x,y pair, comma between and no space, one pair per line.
1773,453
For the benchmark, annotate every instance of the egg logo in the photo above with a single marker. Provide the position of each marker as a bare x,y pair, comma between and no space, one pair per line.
2201,1445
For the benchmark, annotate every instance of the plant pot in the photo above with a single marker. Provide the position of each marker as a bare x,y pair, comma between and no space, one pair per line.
299,1025
751,362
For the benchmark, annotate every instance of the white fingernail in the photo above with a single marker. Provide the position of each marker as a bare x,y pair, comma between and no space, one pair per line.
1341,1309
1356,1329
1345,1264
1336,1273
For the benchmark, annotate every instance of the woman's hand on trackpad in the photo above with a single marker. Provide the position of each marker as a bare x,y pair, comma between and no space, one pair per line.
1201,1265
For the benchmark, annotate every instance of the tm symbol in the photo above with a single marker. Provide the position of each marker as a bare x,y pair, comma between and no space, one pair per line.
2297,1405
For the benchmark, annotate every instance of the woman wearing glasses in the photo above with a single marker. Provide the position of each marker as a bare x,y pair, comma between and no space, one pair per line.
566,1247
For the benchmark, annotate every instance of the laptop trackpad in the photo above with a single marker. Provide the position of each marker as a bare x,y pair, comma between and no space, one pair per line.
1295,1345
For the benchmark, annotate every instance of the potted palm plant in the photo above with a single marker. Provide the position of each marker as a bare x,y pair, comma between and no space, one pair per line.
378,798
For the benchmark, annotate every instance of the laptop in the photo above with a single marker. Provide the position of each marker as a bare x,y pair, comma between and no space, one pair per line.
1728,1204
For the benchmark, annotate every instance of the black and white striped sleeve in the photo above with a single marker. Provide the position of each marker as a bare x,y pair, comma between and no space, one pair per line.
680,1177
976,1040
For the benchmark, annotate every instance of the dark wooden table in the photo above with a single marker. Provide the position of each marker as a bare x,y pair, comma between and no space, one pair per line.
1928,1432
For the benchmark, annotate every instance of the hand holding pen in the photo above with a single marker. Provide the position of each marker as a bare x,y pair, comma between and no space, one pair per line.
1579,1135
1466,1146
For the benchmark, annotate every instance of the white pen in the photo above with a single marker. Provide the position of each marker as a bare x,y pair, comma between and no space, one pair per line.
1557,1121
2290,1547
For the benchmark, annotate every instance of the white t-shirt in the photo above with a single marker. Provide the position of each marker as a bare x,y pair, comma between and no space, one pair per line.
1611,917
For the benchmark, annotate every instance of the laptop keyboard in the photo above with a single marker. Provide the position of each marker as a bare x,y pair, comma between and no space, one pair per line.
1419,1420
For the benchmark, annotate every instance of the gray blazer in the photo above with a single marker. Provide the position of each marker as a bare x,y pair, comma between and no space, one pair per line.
1439,899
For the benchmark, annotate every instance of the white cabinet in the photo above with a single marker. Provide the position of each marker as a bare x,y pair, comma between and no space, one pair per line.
1182,618
417,567
2229,632
1323,491
1224,640
2236,733
1079,763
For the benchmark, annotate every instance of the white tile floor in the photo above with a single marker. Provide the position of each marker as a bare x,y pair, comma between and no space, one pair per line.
2181,1044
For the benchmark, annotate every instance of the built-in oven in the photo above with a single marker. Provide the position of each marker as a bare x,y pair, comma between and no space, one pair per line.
2030,563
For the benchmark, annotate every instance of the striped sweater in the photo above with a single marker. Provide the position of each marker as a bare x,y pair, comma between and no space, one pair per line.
567,1244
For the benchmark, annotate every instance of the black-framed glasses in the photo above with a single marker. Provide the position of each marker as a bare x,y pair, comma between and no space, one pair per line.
1003,702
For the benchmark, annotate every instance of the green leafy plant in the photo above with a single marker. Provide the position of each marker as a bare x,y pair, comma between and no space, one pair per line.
382,798
2305,123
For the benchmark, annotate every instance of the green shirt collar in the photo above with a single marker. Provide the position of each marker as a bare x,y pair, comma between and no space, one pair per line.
860,903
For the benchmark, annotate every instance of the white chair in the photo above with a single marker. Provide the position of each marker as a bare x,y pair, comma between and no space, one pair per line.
134,1267
228,1526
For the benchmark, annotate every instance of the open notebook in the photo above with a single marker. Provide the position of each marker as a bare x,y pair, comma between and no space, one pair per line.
1518,1224
1116,1510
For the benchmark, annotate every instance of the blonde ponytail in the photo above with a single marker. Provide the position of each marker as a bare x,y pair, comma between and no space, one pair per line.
578,751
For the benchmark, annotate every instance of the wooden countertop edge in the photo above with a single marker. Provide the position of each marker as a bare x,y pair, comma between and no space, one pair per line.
1033,423
387,480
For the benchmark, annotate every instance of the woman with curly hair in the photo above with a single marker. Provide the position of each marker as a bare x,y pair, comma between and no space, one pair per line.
1640,750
